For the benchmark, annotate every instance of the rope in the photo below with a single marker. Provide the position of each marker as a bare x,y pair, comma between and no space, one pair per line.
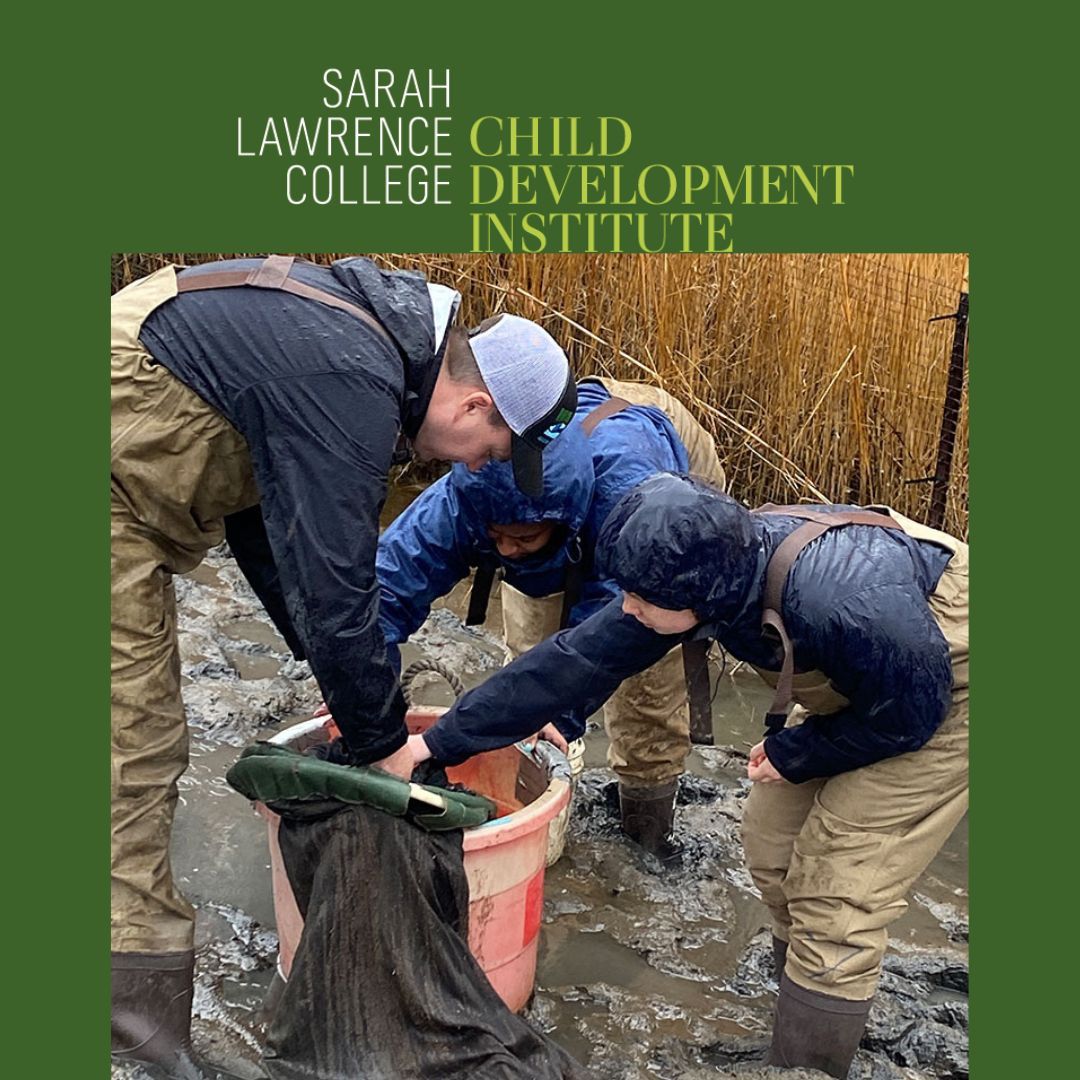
422,666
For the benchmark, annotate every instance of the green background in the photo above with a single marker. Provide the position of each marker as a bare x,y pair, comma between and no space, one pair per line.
122,137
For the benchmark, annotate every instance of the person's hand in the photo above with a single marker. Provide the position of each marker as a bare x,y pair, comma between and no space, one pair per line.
550,733
419,748
761,769
322,710
399,763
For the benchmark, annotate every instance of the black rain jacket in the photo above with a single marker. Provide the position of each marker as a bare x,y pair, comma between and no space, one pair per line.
320,398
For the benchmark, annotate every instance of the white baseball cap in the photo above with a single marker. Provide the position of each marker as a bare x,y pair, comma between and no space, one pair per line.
530,381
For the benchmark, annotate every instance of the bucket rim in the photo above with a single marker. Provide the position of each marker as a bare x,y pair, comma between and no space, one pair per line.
499,830
298,730
528,819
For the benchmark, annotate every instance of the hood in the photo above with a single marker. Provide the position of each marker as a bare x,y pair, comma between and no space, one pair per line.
400,301
679,543
494,497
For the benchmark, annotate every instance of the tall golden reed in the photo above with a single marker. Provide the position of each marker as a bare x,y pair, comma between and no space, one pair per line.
819,375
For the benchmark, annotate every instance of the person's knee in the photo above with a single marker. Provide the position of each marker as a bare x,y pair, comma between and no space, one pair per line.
767,863
770,884
842,893
823,956
643,748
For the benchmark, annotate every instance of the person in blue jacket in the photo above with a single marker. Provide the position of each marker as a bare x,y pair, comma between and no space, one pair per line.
859,619
543,548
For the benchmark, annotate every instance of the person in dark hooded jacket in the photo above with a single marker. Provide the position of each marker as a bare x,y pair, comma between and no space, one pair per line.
263,400
856,790
543,548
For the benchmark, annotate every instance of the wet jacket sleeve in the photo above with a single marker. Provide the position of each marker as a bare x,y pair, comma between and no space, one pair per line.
596,594
321,445
575,669
250,546
425,552
884,651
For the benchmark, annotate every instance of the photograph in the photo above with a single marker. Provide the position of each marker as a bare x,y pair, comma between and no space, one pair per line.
545,666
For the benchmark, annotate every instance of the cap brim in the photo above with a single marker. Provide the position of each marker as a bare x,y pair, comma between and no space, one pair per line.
528,465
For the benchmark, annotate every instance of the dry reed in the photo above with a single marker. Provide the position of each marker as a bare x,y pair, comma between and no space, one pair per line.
819,375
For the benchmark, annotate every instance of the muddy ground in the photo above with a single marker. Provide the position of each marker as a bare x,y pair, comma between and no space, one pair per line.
642,975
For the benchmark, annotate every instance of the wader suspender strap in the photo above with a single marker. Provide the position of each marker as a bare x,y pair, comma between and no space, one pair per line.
573,580
273,273
484,577
695,658
480,594
610,407
781,562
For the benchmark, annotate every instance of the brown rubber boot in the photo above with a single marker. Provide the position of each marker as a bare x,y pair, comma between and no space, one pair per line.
648,817
816,1031
151,1016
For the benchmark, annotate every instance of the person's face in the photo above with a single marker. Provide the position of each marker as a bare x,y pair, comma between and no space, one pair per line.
661,620
458,427
522,539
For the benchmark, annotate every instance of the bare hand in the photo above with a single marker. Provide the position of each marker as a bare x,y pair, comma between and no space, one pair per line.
399,763
550,733
761,769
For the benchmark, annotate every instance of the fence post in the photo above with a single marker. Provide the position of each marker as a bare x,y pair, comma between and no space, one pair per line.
950,413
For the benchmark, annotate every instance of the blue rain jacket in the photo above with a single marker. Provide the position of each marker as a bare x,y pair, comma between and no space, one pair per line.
855,607
432,546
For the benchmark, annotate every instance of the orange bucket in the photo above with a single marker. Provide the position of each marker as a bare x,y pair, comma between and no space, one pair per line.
504,858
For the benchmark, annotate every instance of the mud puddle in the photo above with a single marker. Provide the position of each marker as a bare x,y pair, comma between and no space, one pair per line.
642,975
648,974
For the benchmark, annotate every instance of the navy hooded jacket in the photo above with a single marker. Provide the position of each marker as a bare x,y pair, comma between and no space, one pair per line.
855,607
320,398
432,545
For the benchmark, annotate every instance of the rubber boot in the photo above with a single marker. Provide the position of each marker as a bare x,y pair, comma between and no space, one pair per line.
779,955
648,817
151,1016
816,1031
